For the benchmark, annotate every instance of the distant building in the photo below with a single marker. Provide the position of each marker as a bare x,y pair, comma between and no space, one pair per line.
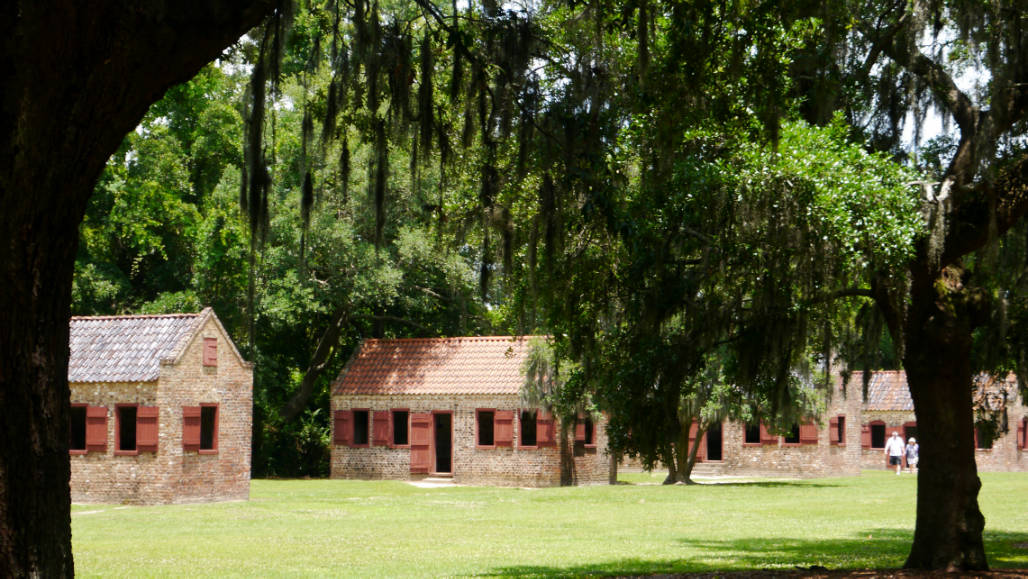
161,410
828,447
451,407
889,409
851,435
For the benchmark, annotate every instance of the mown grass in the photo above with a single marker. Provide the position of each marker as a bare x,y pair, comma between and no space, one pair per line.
356,528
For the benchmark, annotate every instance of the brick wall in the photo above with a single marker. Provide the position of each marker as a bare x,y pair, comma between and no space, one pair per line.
802,460
1004,456
173,474
502,466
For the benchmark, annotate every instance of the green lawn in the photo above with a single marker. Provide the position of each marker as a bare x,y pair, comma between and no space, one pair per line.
353,528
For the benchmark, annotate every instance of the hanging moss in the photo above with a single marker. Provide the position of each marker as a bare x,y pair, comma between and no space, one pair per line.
378,183
344,169
426,107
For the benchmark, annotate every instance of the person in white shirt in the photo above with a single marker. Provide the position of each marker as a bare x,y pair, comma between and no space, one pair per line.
895,448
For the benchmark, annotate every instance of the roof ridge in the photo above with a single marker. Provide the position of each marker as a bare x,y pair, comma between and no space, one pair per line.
444,338
136,316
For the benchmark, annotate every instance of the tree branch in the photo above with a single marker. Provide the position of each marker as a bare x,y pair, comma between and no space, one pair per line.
319,363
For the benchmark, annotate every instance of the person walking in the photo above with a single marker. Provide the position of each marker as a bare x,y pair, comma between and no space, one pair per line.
894,450
913,450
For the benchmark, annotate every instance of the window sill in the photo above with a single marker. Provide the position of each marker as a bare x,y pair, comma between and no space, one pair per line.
528,446
752,444
207,451
126,453
360,446
843,444
77,452
485,447
399,445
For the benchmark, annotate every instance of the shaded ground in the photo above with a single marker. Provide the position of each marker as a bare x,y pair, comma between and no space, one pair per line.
815,573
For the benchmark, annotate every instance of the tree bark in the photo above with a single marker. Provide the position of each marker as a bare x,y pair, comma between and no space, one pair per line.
77,77
948,531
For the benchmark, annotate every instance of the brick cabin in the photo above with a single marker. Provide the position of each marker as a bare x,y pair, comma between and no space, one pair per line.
889,408
450,407
809,450
851,435
161,410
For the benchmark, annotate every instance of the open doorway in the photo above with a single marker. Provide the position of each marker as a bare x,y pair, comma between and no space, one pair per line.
443,427
714,442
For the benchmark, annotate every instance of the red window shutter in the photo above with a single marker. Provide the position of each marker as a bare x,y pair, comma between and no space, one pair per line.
544,435
765,436
1022,434
96,429
380,428
504,432
808,433
191,427
580,430
833,430
420,443
210,351
865,436
146,428
342,430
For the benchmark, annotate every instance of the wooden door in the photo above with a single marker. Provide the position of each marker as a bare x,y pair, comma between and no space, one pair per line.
420,443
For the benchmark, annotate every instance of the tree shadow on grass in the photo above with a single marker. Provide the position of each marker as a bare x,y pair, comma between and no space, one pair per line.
876,549
701,482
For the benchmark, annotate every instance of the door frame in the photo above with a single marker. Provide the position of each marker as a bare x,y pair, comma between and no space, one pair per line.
435,450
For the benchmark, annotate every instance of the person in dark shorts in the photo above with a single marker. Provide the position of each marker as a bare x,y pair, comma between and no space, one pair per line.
894,448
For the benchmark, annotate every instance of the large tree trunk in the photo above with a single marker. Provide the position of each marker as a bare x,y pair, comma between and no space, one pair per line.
77,77
948,532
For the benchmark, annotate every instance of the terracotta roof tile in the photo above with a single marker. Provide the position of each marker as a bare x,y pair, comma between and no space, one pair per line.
472,365
127,348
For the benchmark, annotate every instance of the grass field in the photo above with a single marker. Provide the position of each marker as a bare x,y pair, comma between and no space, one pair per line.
355,528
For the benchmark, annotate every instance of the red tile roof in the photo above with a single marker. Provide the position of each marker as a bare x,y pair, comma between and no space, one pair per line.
128,348
475,365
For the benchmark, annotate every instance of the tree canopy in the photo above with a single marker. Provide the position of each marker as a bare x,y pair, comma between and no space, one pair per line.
712,202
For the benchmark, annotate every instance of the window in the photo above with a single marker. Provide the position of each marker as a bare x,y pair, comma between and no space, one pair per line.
910,431
200,428
877,434
136,429
485,420
584,431
793,437
981,440
528,432
837,430
88,429
210,351
360,427
77,435
127,428
208,427
400,428
751,433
